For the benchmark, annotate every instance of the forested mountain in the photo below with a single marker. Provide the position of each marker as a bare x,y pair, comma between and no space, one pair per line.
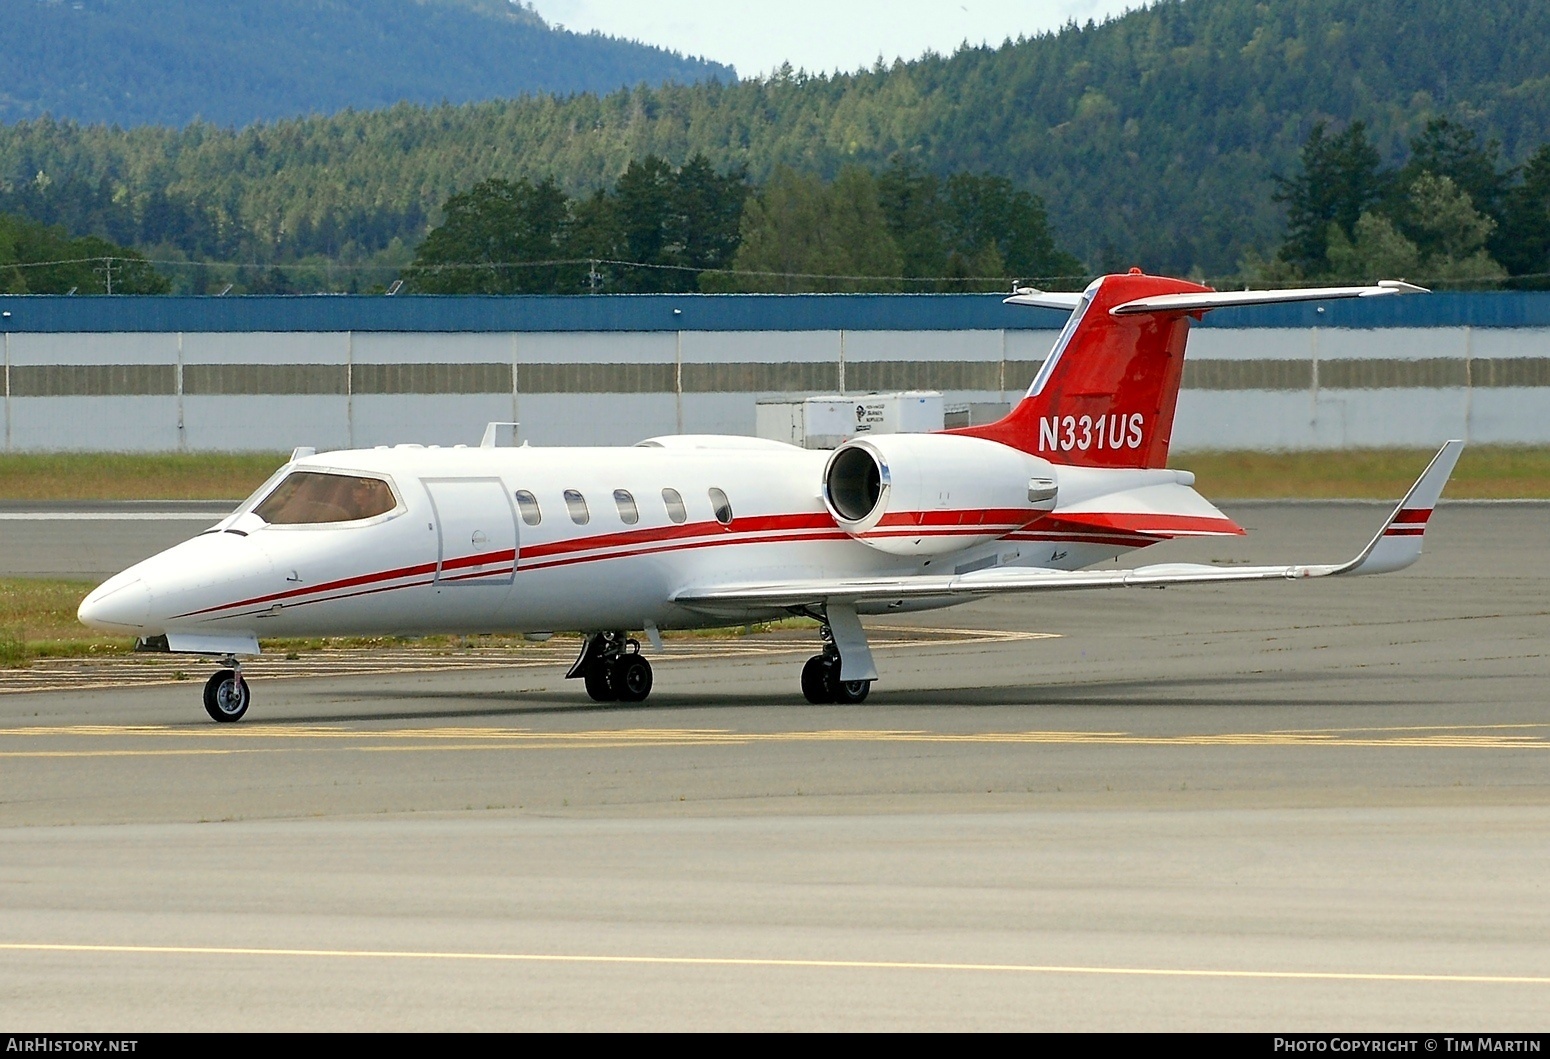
233,62
1154,139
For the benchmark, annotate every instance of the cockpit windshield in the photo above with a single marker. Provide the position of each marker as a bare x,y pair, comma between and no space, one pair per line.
310,497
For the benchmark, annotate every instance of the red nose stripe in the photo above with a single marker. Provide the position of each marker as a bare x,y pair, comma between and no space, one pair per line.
330,586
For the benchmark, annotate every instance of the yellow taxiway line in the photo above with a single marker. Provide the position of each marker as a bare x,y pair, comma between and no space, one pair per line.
269,739
774,962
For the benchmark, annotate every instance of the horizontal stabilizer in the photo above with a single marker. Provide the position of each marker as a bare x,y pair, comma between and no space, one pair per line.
1194,303
1044,299
1107,393
1161,510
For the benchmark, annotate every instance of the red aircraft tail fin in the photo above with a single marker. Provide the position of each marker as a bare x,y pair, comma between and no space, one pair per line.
1105,396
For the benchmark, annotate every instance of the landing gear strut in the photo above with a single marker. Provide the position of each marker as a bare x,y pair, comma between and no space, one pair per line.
821,681
226,694
613,669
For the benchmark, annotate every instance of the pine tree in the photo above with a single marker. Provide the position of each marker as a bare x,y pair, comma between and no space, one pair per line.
500,237
1522,242
1341,179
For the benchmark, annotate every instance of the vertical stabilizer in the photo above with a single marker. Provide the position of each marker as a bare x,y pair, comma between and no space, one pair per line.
1106,394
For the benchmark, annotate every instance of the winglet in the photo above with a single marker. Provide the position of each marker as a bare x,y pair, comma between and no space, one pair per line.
1398,543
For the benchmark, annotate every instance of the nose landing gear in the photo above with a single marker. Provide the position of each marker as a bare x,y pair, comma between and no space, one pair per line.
226,693
612,668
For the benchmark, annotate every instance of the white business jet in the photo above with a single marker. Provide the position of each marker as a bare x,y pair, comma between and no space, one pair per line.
694,531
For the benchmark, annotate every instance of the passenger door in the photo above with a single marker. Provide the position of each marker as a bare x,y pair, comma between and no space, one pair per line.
476,528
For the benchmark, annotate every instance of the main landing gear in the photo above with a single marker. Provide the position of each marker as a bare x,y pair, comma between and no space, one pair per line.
613,669
823,675
821,681
226,694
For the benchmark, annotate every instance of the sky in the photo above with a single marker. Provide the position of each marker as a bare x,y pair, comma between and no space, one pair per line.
820,36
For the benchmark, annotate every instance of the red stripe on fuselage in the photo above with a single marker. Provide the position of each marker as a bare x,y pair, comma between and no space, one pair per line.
1113,540
506,556
762,529
956,531
989,517
832,535
506,573
754,524
321,599
327,586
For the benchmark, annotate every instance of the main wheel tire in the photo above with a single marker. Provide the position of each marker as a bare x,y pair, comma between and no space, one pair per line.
815,681
599,683
227,696
845,692
631,678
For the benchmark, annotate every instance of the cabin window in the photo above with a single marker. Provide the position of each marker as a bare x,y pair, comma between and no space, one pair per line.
527,503
628,512
721,506
576,504
675,505
307,498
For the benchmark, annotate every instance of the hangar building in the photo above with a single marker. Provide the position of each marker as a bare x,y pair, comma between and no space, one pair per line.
271,373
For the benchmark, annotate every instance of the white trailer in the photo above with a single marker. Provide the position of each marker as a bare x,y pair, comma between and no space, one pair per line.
829,420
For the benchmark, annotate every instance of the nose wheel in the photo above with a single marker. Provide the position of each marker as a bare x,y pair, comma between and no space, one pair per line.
227,695
613,669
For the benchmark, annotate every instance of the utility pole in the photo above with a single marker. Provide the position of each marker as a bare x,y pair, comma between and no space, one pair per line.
107,272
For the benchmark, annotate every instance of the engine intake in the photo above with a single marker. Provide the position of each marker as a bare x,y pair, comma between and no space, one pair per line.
855,480
929,494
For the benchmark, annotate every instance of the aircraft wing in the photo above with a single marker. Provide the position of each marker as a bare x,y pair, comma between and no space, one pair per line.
1395,546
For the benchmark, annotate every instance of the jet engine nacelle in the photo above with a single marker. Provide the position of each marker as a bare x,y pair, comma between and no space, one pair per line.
929,494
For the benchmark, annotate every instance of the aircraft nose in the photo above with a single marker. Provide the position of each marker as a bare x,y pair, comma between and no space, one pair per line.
114,607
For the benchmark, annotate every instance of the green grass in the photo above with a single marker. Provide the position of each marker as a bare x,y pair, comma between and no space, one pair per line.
1484,472
37,620
134,476
13,647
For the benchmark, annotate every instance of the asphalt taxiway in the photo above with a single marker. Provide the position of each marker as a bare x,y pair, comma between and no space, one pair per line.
1278,807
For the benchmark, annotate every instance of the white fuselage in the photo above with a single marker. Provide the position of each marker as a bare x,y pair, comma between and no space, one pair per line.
458,554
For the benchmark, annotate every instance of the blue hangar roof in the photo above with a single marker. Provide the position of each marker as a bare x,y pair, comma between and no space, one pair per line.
701,312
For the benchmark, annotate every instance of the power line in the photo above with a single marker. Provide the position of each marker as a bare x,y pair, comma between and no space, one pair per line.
108,264
593,263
